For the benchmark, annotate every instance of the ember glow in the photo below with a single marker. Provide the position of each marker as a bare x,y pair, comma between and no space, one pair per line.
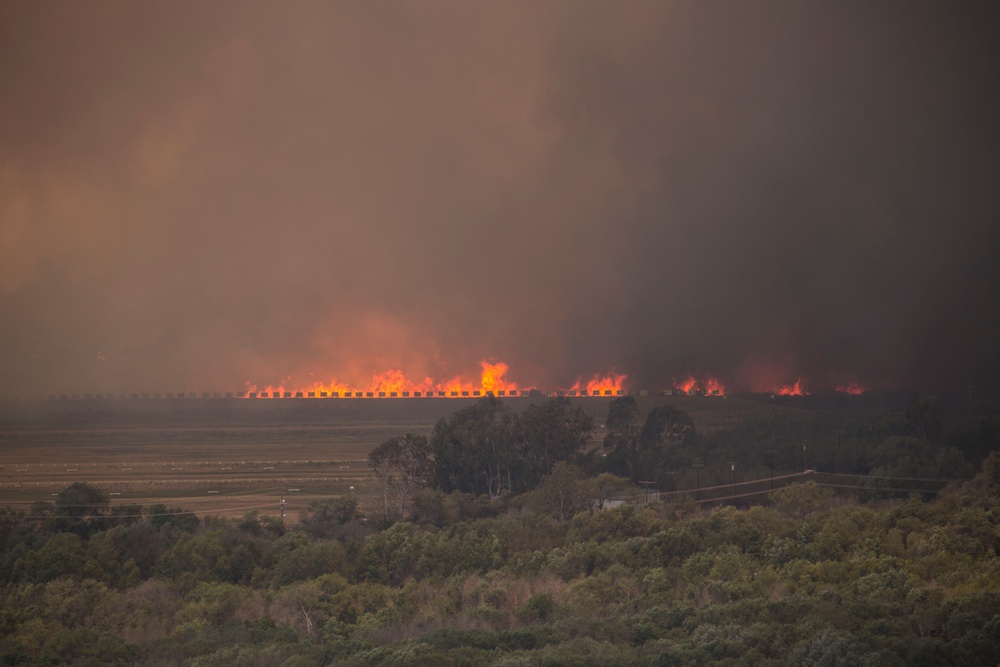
394,383
852,388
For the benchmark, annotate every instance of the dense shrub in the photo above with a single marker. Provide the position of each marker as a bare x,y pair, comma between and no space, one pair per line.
908,582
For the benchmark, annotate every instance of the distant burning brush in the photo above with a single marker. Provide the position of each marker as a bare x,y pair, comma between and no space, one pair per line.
791,389
492,380
599,385
708,385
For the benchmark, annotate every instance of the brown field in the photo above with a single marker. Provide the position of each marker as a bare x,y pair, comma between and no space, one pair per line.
229,457
205,470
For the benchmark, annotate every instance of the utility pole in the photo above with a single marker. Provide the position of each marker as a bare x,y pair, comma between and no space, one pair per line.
805,468
697,479
282,506
770,462
732,466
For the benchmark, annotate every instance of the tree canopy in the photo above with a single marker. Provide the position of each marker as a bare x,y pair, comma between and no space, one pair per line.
402,464
642,454
489,449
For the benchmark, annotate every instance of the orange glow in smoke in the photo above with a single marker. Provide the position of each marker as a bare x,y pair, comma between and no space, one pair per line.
710,386
394,383
852,388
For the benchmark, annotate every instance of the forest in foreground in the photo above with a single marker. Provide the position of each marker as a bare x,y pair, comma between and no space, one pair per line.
535,575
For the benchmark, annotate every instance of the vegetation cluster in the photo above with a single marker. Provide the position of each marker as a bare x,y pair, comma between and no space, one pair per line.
490,550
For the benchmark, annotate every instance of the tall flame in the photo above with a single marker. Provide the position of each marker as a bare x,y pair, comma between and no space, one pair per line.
493,378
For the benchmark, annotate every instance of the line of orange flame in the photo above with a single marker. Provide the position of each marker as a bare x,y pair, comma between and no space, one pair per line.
492,380
851,388
713,387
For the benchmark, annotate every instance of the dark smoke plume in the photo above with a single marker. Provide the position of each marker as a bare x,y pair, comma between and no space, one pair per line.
195,195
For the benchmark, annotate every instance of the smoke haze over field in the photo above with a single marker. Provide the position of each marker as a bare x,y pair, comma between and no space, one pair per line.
194,195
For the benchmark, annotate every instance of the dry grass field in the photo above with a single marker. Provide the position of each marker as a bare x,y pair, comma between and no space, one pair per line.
195,468
232,456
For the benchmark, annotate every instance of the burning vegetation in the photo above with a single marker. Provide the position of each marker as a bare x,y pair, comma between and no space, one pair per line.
492,381
708,386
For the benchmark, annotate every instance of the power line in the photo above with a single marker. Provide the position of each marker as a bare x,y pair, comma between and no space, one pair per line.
887,489
150,516
810,474
902,479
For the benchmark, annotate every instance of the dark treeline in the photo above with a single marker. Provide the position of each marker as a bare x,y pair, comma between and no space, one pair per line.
505,556
488,449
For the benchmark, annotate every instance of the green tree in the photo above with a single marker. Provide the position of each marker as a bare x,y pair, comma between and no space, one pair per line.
563,492
665,430
195,559
801,500
162,516
551,432
61,555
475,450
402,464
81,507
665,426
81,501
327,517
926,417
621,444
85,647
639,454
10,519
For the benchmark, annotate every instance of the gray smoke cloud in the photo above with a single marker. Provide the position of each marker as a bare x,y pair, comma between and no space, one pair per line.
196,195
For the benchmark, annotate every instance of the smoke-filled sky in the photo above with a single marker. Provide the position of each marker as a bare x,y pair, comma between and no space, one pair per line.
194,195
